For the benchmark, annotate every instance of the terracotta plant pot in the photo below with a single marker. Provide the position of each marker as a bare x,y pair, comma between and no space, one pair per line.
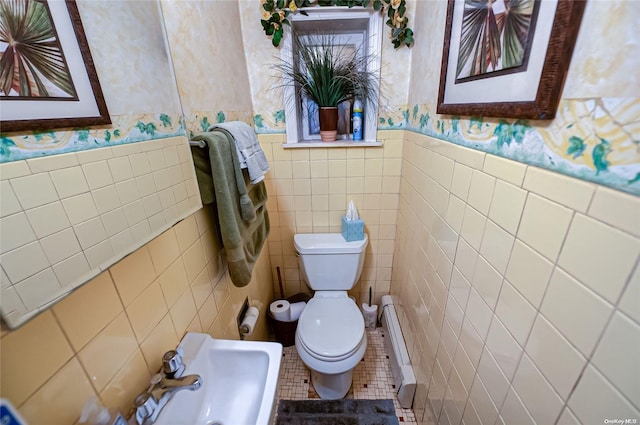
328,123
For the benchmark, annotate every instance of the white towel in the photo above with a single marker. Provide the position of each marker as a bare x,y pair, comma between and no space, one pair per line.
250,153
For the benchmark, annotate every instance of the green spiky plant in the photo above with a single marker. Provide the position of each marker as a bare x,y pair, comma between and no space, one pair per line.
328,73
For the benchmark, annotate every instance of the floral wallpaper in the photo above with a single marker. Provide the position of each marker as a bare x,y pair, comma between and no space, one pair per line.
591,139
123,129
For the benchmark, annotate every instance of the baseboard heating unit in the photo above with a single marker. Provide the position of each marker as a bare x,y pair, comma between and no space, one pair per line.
403,376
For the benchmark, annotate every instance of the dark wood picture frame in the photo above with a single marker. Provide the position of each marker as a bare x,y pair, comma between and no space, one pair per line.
43,123
564,32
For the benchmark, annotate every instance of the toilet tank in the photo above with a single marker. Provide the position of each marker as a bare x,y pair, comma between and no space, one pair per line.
328,262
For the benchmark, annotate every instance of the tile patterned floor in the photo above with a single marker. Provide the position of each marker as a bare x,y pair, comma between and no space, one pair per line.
372,378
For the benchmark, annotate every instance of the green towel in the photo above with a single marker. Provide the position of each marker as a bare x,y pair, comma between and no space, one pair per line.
242,210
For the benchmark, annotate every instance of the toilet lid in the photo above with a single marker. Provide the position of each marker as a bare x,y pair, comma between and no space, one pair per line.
331,327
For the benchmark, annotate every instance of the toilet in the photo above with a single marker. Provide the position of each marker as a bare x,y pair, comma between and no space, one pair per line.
330,337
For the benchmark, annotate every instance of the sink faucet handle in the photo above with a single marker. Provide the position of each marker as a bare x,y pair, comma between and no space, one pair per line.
172,364
145,407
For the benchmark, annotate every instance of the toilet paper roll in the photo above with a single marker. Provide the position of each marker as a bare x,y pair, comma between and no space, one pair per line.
296,310
249,321
370,314
280,310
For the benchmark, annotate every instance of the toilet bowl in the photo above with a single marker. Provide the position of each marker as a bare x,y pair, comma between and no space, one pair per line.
330,337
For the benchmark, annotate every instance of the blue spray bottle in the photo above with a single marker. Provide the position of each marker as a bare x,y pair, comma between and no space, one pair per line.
357,120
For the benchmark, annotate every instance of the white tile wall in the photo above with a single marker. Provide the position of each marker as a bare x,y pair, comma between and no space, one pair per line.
64,218
542,322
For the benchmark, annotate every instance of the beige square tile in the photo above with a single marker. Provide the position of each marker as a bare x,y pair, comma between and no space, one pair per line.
442,170
86,311
337,168
146,311
15,231
73,271
146,184
321,186
97,174
201,287
11,170
594,386
507,206
194,260
24,261
61,399
629,301
487,282
108,351
481,191
577,312
120,168
473,227
505,169
461,181
128,382
603,270
174,281
94,155
164,250
48,219
31,355
134,213
392,167
515,313
8,201
186,232
128,191
470,157
221,293
90,233
183,312
621,367
140,164
556,358
161,339
466,258
52,162
122,242
80,208
544,225
69,181
114,221
34,190
39,289
106,199
496,246
171,156
157,160
617,209
301,169
528,272
568,191
536,392
133,274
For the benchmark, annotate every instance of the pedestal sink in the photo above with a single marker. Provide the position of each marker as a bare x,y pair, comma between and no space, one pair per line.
239,380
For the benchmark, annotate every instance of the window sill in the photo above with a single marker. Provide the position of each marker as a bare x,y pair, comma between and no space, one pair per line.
336,144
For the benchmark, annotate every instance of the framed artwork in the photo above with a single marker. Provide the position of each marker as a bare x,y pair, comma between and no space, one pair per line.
47,76
507,58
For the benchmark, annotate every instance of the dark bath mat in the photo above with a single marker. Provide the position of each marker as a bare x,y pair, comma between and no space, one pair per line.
336,412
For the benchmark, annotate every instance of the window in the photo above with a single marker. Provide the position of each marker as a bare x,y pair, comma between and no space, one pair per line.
358,29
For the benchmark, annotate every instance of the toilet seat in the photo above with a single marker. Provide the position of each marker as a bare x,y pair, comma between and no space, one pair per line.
331,329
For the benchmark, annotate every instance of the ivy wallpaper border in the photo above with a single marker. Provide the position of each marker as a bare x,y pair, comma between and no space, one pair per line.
124,129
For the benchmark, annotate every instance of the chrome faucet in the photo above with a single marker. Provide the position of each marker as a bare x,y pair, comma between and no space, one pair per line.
149,404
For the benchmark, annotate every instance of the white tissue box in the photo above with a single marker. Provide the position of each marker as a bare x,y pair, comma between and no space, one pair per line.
352,230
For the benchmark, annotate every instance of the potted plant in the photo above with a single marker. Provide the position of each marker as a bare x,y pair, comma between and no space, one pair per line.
328,73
